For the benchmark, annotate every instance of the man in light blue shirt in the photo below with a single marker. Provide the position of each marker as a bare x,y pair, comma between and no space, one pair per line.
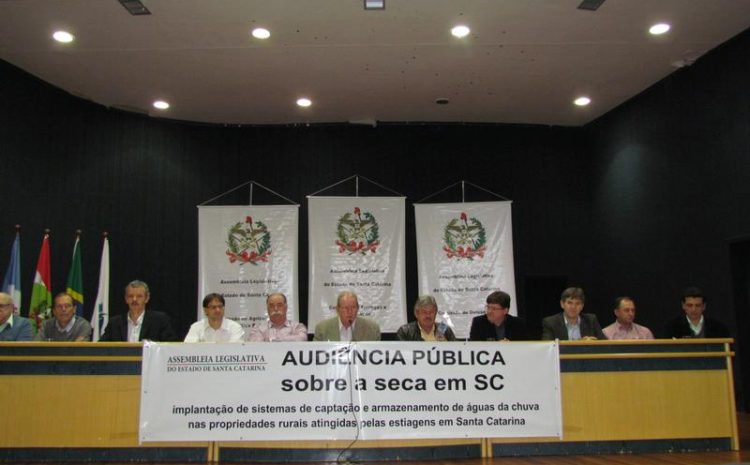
571,324
12,327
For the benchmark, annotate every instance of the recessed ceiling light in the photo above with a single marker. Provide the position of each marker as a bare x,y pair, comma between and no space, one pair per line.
460,31
161,105
374,4
64,37
304,102
261,33
582,101
660,28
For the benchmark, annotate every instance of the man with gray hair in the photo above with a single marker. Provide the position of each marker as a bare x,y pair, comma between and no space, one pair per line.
347,325
138,324
277,328
12,327
425,328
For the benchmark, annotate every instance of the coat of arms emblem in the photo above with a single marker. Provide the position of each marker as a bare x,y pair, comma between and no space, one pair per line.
464,238
357,232
248,242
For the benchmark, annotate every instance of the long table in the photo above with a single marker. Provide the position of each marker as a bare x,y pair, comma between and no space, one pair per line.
80,402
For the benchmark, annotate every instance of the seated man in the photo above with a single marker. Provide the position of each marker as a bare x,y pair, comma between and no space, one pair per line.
570,324
138,324
346,325
277,328
65,326
694,323
425,328
12,327
624,326
214,327
496,324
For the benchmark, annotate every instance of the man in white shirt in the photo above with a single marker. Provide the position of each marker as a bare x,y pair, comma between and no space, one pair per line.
138,324
215,328
277,328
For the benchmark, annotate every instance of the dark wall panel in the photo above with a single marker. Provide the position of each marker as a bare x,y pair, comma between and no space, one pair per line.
670,188
670,175
69,164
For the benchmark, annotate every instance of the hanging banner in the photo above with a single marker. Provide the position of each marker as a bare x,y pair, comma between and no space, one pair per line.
357,244
365,390
464,253
246,253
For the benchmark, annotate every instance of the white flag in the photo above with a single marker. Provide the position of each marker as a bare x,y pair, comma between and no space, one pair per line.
464,253
100,317
357,244
246,252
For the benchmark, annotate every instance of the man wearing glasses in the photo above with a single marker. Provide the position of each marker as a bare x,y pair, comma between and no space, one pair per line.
12,327
496,324
214,327
65,326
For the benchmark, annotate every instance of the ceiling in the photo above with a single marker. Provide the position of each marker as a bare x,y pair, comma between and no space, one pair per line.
525,61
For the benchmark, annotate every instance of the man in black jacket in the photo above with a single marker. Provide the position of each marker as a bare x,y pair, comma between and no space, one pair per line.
139,324
694,323
496,324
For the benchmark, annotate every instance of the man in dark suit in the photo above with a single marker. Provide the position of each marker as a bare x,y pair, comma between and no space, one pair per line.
496,324
694,323
571,324
139,324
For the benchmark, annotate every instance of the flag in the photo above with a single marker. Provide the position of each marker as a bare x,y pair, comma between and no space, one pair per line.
74,286
12,281
100,317
41,296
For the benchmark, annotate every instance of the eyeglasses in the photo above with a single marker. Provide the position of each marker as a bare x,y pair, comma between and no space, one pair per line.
64,306
6,305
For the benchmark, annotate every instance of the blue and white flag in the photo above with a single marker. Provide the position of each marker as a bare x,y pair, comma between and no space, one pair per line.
12,281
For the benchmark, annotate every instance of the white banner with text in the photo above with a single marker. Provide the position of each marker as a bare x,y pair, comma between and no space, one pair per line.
246,253
365,390
357,244
464,253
